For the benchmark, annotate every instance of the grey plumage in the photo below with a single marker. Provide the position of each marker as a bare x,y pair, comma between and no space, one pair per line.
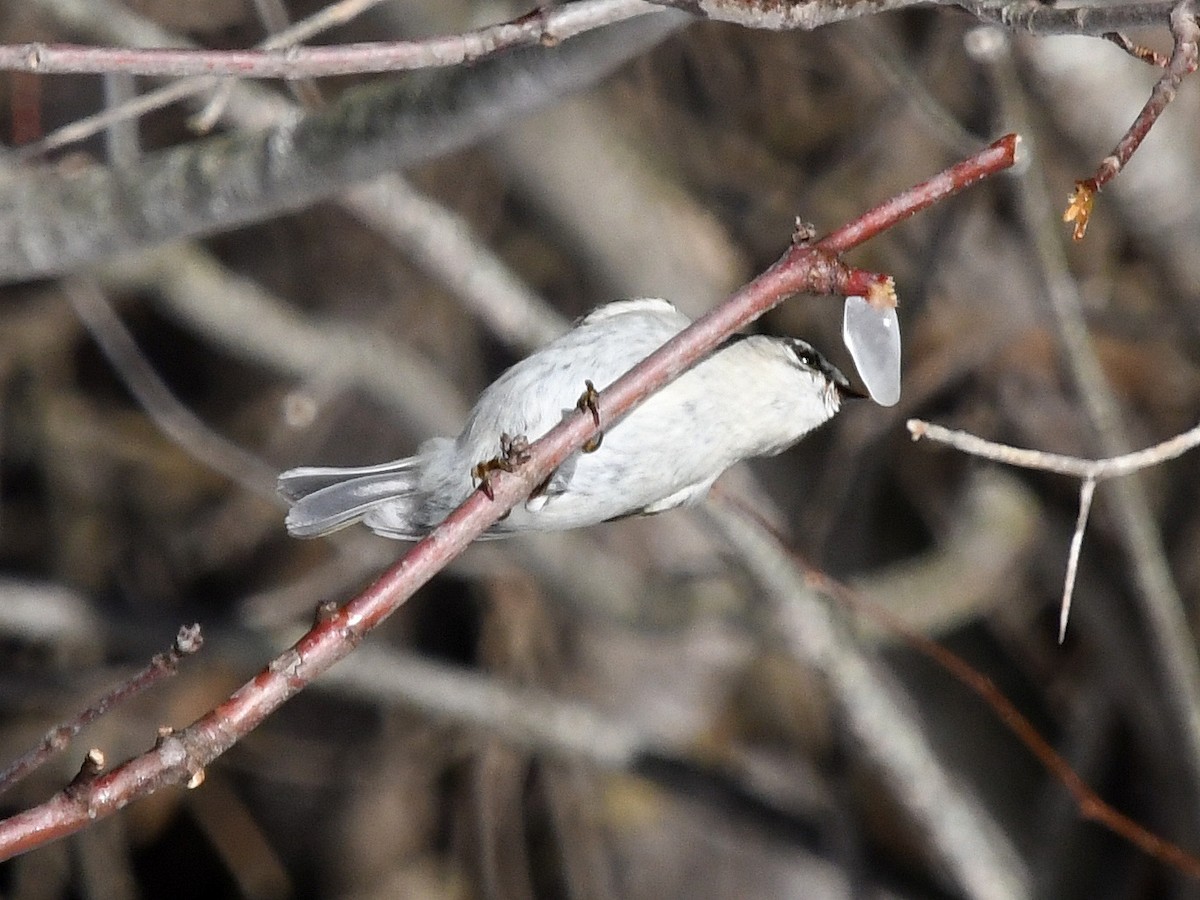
755,396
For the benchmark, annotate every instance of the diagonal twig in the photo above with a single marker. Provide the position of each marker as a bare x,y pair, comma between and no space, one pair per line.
162,665
1183,61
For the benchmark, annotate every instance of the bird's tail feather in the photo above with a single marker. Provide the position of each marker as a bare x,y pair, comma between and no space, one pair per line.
326,499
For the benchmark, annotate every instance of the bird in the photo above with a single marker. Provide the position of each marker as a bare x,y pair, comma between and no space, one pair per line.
755,395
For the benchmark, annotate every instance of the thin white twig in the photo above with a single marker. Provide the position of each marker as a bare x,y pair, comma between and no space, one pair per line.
274,18
1095,469
1086,491
1160,605
1091,471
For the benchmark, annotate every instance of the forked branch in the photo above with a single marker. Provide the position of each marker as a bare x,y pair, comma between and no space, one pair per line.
1089,471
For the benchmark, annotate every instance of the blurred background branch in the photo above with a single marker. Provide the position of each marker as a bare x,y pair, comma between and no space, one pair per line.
325,310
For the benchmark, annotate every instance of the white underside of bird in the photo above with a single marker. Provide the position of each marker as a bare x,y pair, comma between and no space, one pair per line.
754,396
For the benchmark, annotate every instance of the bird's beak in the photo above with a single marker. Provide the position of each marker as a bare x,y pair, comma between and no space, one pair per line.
841,384
847,392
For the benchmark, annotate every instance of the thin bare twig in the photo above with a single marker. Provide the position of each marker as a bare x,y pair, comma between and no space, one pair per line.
162,665
1172,645
547,26
180,757
1186,32
1086,491
171,416
58,221
1091,471
1095,469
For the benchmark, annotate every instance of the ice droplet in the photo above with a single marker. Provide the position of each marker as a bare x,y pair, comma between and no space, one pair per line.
873,338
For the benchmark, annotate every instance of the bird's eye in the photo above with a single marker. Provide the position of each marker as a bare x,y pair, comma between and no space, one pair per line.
807,356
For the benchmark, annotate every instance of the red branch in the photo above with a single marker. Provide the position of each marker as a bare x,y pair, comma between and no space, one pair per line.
180,757
1183,62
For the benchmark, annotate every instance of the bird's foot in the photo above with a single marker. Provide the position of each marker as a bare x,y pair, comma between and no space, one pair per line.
589,401
513,452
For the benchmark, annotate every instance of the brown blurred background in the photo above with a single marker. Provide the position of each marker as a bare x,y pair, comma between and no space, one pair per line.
326,335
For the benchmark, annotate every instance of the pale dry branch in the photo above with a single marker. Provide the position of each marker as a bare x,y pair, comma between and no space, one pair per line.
1090,471
1095,469
282,58
58,221
970,844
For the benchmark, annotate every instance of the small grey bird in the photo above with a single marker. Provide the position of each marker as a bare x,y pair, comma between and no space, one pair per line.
754,396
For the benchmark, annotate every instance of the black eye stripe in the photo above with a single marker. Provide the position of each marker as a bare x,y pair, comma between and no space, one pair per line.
807,355
811,358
